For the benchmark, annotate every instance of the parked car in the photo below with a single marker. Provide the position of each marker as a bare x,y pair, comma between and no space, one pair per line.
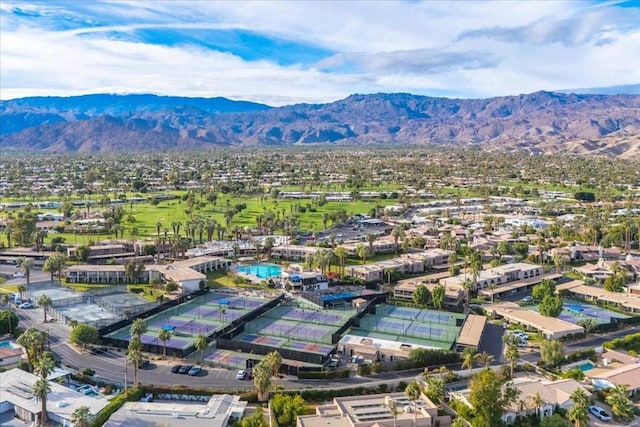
521,334
241,375
528,298
143,363
194,371
147,398
599,413
176,368
18,275
185,369
26,305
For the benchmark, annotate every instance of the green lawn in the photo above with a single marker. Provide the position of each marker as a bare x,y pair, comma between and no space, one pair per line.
220,279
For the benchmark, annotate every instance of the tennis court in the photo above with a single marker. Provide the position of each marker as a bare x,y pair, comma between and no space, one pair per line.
201,316
421,326
575,311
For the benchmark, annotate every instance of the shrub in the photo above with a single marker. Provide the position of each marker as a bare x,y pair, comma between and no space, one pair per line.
132,395
322,375
629,342
88,372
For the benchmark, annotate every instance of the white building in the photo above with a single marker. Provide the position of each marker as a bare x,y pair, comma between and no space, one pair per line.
16,397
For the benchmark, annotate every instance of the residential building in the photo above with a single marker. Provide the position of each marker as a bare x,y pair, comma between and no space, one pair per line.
216,412
549,327
628,301
373,410
16,398
497,276
554,395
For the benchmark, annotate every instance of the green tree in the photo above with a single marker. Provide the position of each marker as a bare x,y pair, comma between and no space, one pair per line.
8,322
82,253
80,416
621,406
55,264
255,420
489,397
164,336
44,301
437,296
287,408
551,352
133,270
84,335
551,306
421,295
545,288
24,227
578,413
435,389
201,344
615,282
362,251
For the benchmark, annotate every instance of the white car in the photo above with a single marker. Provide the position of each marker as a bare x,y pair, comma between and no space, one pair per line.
599,413
521,334
26,305
18,275
242,374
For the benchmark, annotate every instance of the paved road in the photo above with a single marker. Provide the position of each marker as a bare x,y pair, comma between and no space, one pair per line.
591,342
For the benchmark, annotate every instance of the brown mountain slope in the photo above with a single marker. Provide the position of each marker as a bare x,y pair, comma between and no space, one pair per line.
541,122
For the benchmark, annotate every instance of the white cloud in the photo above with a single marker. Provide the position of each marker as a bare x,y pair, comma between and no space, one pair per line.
470,49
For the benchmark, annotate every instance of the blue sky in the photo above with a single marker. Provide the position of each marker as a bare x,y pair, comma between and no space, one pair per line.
317,51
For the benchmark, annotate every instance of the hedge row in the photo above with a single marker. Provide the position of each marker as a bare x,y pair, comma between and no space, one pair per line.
132,395
324,375
630,342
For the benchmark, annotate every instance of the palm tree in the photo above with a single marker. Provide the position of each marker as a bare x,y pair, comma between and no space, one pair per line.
579,411
468,286
485,359
511,353
73,323
41,389
33,342
27,266
397,233
80,416
164,336
274,360
201,345
21,290
138,328
134,355
44,301
370,239
537,402
414,390
468,359
341,254
621,406
262,380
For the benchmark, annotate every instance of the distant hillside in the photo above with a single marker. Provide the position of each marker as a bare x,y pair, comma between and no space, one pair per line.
540,122
22,113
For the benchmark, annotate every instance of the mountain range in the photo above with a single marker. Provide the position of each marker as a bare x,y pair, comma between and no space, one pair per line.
540,122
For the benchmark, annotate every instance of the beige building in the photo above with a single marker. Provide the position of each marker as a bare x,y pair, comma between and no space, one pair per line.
294,252
187,274
377,349
549,327
453,297
554,394
500,275
374,410
628,301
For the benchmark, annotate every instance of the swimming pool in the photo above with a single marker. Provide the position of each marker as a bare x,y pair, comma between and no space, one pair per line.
587,366
88,390
9,344
263,271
